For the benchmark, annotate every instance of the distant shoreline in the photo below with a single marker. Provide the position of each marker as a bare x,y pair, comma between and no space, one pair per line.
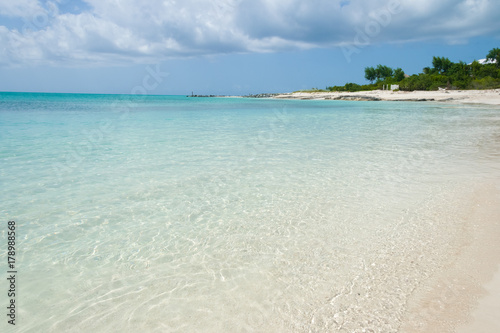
490,96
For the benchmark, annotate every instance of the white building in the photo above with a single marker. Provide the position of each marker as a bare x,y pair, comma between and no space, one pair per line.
485,61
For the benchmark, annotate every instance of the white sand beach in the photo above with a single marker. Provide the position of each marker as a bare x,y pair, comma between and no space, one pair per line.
491,96
485,317
464,297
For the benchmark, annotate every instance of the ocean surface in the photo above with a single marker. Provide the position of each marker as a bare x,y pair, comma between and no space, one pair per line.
176,214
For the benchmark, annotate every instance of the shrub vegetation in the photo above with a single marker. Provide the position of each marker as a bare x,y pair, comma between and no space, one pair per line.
443,74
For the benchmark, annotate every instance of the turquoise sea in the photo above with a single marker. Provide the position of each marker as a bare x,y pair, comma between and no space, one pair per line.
176,214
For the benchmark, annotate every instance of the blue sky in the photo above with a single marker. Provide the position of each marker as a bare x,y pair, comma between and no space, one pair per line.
230,46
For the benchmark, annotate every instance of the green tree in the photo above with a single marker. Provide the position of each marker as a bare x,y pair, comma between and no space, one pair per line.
370,74
460,75
490,70
475,68
426,70
494,55
384,72
398,74
352,87
441,64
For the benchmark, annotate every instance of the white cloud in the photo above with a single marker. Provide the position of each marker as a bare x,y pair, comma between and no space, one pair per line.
112,31
21,8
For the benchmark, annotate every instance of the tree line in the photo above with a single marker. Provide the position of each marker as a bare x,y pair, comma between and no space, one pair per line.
443,74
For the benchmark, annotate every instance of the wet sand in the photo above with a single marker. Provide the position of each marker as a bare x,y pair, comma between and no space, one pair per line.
486,318
462,294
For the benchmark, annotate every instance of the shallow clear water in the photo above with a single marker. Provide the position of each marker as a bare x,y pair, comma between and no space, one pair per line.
190,214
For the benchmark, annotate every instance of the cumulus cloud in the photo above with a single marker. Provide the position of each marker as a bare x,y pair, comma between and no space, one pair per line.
112,31
21,8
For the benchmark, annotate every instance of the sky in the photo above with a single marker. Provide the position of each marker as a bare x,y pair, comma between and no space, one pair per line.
230,47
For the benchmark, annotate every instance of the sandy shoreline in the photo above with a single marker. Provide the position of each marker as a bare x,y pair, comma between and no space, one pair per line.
464,297
485,317
491,96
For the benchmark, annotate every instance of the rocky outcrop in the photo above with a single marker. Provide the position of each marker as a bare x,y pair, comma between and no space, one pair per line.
417,100
261,95
354,98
